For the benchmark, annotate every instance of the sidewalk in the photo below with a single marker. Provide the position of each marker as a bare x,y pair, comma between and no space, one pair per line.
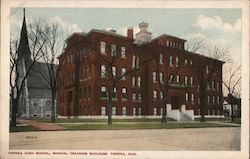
223,123
41,126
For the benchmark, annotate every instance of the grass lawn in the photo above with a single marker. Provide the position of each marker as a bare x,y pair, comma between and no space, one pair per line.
24,128
224,120
130,126
76,120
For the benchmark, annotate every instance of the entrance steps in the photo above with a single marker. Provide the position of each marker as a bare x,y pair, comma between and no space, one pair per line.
180,115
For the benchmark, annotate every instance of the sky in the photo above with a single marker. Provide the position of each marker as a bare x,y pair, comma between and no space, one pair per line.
221,26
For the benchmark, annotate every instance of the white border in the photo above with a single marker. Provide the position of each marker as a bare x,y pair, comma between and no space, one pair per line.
4,98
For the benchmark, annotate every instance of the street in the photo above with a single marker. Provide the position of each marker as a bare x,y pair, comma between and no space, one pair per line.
217,139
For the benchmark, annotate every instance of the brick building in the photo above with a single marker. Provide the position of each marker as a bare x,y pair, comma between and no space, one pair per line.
83,82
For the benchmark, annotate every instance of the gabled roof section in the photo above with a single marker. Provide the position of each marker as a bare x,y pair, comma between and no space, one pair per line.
107,33
168,36
75,33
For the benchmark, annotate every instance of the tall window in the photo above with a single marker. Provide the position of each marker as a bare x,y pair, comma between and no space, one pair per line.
191,81
103,110
89,91
114,71
155,111
139,111
113,110
207,70
133,81
217,86
161,95
218,100
104,92
208,86
177,78
192,97
84,72
134,111
186,95
133,61
185,61
176,61
208,100
123,52
113,50
155,94
123,73
124,93
213,87
154,77
171,78
139,96
161,59
124,110
161,77
114,93
103,71
213,99
167,43
134,96
103,48
191,62
199,100
186,80
171,61
139,81
137,62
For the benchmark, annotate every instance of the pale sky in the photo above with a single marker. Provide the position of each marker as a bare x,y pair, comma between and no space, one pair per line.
222,26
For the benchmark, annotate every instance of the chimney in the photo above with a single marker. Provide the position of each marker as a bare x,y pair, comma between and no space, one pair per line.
130,33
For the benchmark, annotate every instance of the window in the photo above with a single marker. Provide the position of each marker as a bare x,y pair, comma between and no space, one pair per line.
218,100
155,94
177,78
139,111
176,61
124,92
171,61
113,50
198,88
134,96
208,111
208,100
104,92
171,78
217,86
133,81
154,77
192,97
155,111
133,61
213,99
208,86
103,48
123,52
186,97
186,80
191,62
218,111
114,93
213,111
161,111
199,112
139,81
89,91
161,77
134,111
161,95
113,71
199,100
139,96
173,44
103,71
180,46
191,81
213,87
124,110
123,73
85,92
185,61
113,110
207,70
167,43
161,59
137,62
170,43
103,110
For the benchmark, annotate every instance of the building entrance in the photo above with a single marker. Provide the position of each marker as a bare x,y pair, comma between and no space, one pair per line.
175,102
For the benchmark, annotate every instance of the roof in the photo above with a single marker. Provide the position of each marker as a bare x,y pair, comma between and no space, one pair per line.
166,35
36,78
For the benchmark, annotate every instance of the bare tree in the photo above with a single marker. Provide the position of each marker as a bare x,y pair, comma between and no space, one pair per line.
50,51
109,62
205,69
21,69
232,84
